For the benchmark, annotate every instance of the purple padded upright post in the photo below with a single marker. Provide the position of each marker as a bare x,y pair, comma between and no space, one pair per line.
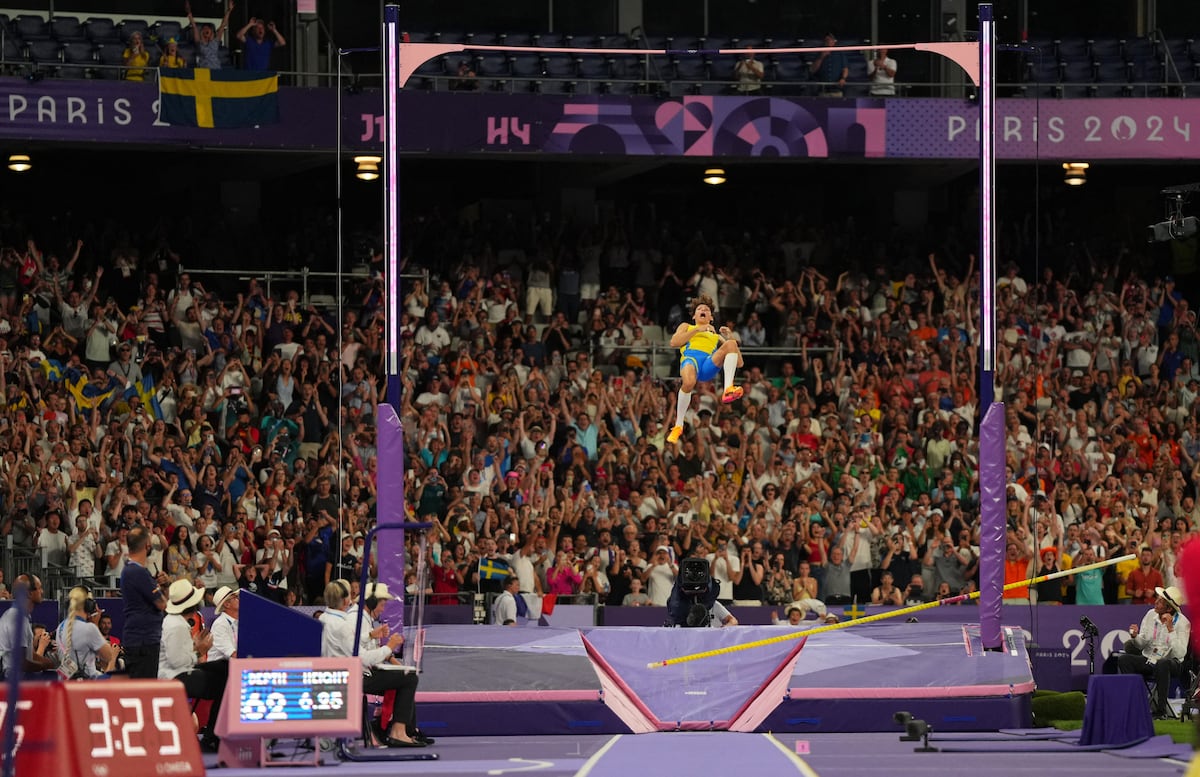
992,496
390,490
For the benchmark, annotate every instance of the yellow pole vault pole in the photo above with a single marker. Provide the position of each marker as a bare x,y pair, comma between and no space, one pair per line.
881,616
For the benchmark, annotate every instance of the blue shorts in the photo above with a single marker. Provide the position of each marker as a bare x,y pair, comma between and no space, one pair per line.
706,368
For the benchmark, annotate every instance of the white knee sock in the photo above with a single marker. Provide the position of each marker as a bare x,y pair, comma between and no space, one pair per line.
730,368
682,403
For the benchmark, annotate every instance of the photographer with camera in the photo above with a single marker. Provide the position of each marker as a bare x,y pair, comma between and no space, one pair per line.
693,601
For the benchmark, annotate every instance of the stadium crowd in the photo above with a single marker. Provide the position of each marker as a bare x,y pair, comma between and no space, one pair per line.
535,405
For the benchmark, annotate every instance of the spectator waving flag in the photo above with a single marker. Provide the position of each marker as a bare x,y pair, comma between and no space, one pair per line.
89,394
144,392
493,569
220,99
53,369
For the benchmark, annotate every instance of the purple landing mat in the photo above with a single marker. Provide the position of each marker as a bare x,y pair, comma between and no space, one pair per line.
846,680
907,660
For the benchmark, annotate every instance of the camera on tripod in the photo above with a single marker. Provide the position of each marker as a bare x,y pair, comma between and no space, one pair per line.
692,595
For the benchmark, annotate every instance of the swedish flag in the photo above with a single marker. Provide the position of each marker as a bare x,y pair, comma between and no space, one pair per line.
493,569
88,395
144,392
53,369
223,99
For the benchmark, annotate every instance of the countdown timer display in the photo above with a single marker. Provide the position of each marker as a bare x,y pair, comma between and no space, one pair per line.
279,697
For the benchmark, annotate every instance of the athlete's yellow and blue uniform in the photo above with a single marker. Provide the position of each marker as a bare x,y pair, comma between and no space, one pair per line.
699,351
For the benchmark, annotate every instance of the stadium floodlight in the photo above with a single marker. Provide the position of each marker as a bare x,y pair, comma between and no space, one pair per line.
19,163
714,176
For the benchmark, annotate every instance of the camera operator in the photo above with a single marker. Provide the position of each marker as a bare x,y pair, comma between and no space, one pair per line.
693,602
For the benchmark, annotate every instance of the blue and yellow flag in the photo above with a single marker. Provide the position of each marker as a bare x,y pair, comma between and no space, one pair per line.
223,99
493,569
88,394
53,369
145,393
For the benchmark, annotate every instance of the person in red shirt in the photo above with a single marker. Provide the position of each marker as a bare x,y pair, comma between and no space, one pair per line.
1142,581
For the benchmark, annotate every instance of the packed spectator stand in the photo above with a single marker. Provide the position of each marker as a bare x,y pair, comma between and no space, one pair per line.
537,390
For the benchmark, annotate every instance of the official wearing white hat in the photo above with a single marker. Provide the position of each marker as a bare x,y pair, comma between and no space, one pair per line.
179,652
1156,648
225,625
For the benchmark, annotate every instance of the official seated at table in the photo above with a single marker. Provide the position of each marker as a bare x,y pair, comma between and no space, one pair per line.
1158,645
337,640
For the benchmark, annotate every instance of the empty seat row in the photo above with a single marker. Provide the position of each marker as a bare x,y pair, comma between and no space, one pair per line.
98,30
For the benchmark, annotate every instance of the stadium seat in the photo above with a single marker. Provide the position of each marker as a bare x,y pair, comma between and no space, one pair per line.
595,66
28,27
11,51
188,52
44,52
66,29
514,39
101,30
111,55
79,57
492,65
689,67
130,26
166,30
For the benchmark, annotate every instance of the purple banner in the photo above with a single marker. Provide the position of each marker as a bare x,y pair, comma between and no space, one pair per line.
611,125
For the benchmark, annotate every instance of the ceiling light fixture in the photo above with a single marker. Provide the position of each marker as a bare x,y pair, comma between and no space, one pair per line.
714,176
1075,173
368,167
19,163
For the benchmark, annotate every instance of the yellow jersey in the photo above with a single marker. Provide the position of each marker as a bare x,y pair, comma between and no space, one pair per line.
706,342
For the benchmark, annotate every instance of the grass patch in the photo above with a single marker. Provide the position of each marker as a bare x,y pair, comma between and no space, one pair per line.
1064,711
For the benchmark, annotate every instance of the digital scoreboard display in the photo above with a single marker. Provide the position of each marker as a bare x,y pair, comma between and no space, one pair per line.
293,694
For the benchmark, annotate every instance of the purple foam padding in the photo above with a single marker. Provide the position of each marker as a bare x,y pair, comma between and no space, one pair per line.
992,495
518,719
262,621
898,660
625,703
517,660
768,698
1024,732
706,693
390,496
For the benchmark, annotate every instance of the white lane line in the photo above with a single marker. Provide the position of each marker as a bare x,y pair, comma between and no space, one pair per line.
590,763
801,766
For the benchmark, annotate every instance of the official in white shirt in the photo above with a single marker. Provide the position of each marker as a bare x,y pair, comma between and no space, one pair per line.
337,640
225,626
179,652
